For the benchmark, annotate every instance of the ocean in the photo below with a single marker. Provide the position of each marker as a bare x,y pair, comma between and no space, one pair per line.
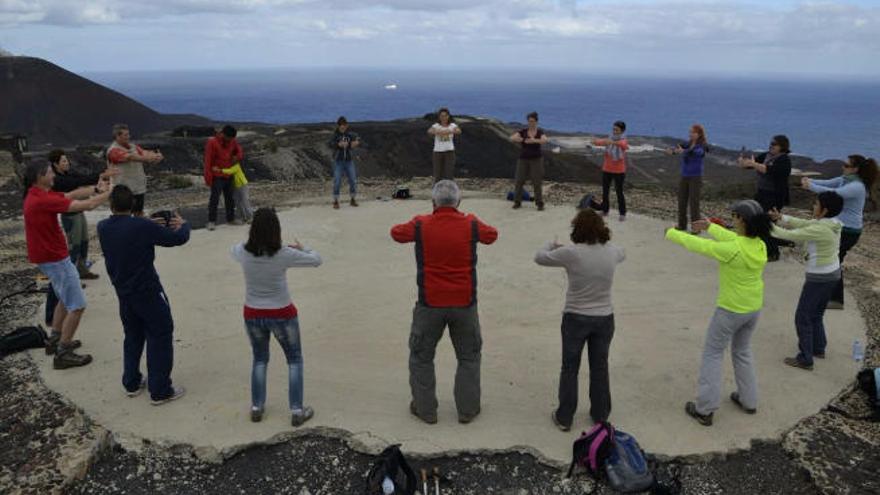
823,118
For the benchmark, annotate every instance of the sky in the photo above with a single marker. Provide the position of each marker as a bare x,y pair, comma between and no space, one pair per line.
783,37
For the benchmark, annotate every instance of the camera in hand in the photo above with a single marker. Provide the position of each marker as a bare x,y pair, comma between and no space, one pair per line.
166,215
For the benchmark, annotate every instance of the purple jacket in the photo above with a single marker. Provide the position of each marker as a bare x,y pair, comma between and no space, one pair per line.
692,160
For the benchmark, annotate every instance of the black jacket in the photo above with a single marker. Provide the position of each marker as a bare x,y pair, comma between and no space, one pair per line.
773,185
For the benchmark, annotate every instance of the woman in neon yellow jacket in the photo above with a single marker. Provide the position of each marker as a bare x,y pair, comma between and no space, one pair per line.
240,192
741,255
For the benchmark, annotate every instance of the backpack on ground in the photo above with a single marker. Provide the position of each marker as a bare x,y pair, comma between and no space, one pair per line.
402,192
592,449
22,338
391,464
626,467
525,195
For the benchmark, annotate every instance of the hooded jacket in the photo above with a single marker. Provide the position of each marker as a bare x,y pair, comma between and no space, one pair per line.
238,177
822,238
741,265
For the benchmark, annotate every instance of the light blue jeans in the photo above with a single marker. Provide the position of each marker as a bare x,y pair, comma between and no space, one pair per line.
347,168
287,333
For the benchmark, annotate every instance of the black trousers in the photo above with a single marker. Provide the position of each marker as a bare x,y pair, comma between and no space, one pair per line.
224,186
607,178
848,240
146,320
596,333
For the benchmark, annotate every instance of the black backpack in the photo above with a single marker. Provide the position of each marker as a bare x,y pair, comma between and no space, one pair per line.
22,338
393,465
869,382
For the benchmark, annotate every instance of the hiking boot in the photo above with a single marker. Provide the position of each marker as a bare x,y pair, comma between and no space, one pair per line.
335,205
558,423
467,418
353,202
256,414
141,387
66,358
53,341
431,420
87,275
734,397
704,419
834,305
797,363
211,226
517,206
540,206
298,418
176,393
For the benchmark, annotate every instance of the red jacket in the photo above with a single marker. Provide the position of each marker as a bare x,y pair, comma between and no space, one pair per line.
220,155
446,255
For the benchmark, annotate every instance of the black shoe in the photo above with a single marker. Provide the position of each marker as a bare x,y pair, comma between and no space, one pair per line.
797,363
65,358
256,415
540,206
53,341
517,206
735,398
353,202
704,419
558,423
431,420
467,418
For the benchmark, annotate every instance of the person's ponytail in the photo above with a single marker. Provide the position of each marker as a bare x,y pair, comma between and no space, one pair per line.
868,174
759,226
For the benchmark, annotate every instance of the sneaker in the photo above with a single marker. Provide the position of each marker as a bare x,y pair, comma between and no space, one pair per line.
87,275
335,205
353,202
298,418
517,206
65,358
256,414
53,341
734,397
427,419
211,226
467,418
177,392
834,305
797,363
704,419
558,424
140,389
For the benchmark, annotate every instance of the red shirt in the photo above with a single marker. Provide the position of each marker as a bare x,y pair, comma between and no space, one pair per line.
42,231
117,154
220,155
446,255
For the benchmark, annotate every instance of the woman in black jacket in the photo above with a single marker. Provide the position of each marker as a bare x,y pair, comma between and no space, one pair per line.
774,170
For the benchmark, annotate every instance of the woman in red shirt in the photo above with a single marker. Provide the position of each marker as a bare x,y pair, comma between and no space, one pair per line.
614,167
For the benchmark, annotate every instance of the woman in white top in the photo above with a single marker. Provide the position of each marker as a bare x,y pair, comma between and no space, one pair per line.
268,308
444,145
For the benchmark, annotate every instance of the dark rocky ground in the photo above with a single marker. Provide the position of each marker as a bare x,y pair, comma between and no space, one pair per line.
48,445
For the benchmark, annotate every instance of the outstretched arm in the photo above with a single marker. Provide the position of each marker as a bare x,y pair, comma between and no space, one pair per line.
404,232
486,233
722,251
550,255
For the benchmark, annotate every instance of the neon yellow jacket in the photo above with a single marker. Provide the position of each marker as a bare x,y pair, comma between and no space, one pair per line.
741,269
238,178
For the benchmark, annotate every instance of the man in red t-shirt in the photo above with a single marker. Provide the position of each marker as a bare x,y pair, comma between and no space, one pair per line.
446,259
221,151
47,248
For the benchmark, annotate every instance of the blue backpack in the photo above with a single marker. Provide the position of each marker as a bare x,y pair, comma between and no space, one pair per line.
626,467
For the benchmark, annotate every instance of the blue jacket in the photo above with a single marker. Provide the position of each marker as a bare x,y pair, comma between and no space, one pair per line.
692,160
853,191
129,245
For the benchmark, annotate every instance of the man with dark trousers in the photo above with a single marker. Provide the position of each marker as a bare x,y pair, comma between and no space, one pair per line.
129,243
221,151
446,258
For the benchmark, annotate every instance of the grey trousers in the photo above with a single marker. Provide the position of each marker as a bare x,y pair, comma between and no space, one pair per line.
532,169
688,197
243,203
735,329
444,165
464,331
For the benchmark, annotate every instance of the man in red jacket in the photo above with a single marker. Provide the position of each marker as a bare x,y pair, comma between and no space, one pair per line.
221,151
446,257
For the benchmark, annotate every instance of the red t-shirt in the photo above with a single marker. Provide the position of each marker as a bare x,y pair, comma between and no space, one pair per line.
42,231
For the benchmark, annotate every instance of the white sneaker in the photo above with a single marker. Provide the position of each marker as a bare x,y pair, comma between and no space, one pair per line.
178,393
211,226
140,389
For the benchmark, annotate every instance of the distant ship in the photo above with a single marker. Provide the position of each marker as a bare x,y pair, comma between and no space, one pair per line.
391,87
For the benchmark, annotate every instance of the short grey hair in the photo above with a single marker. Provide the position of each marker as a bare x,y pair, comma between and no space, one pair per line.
117,128
446,193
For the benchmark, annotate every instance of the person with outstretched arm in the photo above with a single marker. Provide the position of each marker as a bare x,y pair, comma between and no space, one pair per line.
129,159
692,154
443,158
773,169
446,258
741,255
614,167
47,248
129,245
854,186
530,164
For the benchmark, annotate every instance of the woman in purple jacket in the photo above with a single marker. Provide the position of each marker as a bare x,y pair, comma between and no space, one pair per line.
692,154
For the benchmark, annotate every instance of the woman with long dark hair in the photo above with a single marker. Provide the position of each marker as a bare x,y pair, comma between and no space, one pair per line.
741,255
854,186
773,169
692,154
268,308
588,318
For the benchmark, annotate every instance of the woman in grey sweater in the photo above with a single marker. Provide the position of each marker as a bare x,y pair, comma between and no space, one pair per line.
588,317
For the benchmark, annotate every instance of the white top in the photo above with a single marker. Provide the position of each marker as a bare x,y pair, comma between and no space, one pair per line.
266,276
444,143
590,270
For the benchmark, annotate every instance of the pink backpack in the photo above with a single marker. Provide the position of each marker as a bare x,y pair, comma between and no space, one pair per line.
592,449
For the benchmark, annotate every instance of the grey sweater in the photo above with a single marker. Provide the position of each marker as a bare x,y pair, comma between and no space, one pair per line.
590,270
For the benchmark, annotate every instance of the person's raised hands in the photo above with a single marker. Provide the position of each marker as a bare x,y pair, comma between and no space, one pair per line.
700,225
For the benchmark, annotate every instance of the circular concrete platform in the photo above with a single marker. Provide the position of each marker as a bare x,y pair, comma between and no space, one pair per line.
355,314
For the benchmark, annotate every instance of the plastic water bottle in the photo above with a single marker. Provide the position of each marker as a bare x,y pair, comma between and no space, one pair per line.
387,486
858,351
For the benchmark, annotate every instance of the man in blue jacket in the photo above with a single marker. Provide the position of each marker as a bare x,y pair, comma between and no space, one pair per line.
128,243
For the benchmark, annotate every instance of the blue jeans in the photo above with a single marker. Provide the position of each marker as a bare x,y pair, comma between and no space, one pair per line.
287,333
808,319
347,168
